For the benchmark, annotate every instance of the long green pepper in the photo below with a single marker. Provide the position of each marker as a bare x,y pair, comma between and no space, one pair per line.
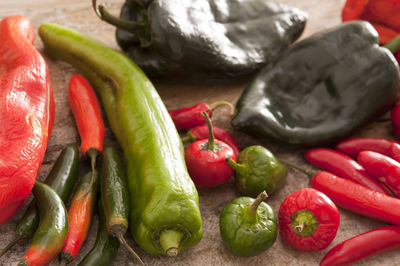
165,216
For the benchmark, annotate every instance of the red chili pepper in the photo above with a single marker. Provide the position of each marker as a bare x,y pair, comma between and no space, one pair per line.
359,199
87,112
189,117
26,113
395,116
353,146
308,220
359,247
383,15
398,57
383,168
205,160
394,152
201,132
344,166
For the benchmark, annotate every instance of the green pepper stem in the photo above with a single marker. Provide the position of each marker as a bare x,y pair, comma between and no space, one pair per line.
394,45
251,215
241,169
218,104
92,153
170,240
211,139
304,171
11,244
129,248
189,137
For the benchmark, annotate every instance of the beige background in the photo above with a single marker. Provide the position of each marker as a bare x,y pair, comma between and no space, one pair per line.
175,93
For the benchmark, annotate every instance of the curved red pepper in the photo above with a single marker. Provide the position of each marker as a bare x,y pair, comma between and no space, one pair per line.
201,132
394,152
356,198
383,168
344,166
359,247
314,210
353,146
26,113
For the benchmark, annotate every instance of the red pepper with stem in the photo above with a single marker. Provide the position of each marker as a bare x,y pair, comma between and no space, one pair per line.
308,220
343,166
201,132
189,117
359,247
87,112
357,198
383,168
205,160
353,146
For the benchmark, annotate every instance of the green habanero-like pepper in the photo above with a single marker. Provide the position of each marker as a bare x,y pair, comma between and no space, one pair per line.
204,37
164,201
322,89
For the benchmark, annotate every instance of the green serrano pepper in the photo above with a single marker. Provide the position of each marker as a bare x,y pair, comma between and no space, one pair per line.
61,178
53,228
164,216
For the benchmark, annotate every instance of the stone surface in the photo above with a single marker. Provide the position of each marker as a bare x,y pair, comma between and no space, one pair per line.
176,93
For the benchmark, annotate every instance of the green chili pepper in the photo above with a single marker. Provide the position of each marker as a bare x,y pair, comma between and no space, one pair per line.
115,196
106,246
257,170
322,89
163,198
61,178
212,37
53,228
248,226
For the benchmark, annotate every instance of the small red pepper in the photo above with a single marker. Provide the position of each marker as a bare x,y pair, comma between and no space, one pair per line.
87,112
394,152
343,166
356,198
308,220
189,117
201,132
205,160
395,117
353,146
359,247
383,168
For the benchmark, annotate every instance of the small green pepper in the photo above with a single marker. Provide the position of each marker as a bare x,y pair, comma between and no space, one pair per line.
248,226
257,170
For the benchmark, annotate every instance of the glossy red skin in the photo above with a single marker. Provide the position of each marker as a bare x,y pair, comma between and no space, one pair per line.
189,117
353,146
207,168
395,116
359,199
394,152
398,57
201,132
87,112
26,113
324,210
383,168
343,166
359,247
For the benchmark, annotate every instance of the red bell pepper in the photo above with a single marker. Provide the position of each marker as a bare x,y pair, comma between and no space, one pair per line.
26,113
376,241
353,146
382,14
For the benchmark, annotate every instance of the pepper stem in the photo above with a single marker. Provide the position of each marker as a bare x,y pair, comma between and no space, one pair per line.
252,210
304,222
11,244
211,139
394,45
304,171
189,138
241,169
170,240
92,153
129,248
218,104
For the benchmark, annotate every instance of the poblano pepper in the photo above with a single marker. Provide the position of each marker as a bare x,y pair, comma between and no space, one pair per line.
323,88
164,212
222,38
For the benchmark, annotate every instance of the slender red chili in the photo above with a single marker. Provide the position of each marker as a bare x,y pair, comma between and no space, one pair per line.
383,168
394,152
87,112
359,199
353,146
205,160
201,132
395,116
344,166
359,247
189,117
308,220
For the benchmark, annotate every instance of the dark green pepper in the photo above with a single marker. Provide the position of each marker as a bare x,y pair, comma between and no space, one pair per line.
257,170
209,37
164,212
248,226
322,89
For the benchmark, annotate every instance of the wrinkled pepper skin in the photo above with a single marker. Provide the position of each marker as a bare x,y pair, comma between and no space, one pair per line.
219,38
26,113
322,89
162,194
